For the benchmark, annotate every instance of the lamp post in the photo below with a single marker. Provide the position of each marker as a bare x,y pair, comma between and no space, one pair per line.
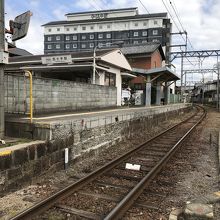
117,43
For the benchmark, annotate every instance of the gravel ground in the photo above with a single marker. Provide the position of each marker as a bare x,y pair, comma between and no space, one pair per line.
194,173
186,185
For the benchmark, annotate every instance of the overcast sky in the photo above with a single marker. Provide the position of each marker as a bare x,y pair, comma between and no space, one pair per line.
200,18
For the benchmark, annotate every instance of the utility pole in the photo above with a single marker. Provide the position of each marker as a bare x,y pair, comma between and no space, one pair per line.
181,80
217,85
2,49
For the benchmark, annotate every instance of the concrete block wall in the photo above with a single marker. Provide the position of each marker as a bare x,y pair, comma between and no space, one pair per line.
50,95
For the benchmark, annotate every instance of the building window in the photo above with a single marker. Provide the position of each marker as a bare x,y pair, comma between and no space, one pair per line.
67,46
67,37
74,45
84,28
75,28
57,46
91,36
49,46
100,26
100,36
91,27
91,45
49,38
155,32
108,44
144,41
108,35
108,26
135,41
74,37
57,37
136,24
83,45
144,33
49,30
67,29
135,34
58,29
110,79
83,37
155,22
145,23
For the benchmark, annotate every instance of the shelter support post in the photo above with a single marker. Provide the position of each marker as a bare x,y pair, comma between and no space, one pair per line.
148,91
118,86
158,94
167,93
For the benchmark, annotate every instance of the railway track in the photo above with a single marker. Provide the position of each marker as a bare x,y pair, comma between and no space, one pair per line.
110,191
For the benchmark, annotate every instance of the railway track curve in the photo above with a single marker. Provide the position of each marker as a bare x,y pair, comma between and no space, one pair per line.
110,191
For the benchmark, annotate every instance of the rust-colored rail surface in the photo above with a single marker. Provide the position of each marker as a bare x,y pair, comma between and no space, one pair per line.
110,191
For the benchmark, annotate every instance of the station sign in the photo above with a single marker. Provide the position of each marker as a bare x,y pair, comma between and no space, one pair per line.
49,60
99,16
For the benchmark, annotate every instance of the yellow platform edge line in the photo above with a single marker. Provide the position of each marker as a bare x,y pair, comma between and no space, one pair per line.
4,153
217,193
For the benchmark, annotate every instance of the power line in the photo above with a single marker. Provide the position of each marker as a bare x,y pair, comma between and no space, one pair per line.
178,18
172,18
104,2
92,5
144,6
175,11
97,3
176,26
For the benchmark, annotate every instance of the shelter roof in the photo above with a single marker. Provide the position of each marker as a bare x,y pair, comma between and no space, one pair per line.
163,73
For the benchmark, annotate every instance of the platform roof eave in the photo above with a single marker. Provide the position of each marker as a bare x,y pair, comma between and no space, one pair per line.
164,73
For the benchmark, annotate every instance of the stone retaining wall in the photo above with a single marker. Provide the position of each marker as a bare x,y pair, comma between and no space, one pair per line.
20,164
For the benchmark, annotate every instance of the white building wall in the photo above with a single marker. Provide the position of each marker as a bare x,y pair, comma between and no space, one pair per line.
115,25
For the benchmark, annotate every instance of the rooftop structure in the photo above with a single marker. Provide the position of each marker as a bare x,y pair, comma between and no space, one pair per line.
84,30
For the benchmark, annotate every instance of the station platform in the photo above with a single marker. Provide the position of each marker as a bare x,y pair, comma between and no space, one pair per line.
51,126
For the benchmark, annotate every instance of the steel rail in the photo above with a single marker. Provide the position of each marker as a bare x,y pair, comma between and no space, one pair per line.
129,199
52,200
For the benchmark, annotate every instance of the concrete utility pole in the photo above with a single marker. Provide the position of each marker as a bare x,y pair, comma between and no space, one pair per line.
217,86
2,49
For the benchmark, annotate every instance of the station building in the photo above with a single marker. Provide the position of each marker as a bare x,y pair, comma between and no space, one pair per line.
83,31
63,82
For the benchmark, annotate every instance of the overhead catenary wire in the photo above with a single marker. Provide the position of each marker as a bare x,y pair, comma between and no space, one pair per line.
144,6
172,17
176,27
97,3
92,5
104,2
178,18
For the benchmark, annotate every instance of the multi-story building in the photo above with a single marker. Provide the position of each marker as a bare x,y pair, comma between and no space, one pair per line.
84,30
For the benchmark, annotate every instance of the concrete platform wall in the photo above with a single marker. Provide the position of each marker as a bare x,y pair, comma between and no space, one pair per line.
24,163
50,95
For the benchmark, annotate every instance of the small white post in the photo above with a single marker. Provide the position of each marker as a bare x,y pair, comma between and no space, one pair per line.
66,158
